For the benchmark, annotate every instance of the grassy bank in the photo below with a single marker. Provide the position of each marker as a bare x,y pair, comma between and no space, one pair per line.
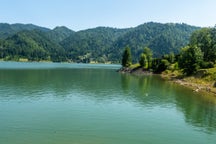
203,81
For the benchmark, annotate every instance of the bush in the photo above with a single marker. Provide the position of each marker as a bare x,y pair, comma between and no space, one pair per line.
162,66
214,85
206,65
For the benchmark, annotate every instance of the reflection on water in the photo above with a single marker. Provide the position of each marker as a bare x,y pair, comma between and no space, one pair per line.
198,110
77,105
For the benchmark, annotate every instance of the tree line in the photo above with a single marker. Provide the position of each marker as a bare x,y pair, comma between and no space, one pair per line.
199,53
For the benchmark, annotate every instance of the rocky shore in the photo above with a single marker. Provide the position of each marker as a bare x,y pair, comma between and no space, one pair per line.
135,71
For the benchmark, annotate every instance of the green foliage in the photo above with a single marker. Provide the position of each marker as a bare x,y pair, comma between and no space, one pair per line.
205,39
59,34
101,44
205,65
98,42
176,66
147,51
160,38
200,53
7,30
126,58
160,65
163,65
170,57
143,60
32,45
190,59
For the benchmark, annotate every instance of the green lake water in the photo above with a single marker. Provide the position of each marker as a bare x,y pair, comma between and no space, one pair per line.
51,103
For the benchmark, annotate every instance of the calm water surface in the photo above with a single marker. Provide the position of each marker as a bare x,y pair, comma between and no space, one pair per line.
48,103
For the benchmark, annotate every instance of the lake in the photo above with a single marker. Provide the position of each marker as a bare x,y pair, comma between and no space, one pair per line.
54,103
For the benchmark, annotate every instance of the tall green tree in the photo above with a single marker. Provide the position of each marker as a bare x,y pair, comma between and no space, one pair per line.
143,60
127,58
148,52
205,39
190,59
171,57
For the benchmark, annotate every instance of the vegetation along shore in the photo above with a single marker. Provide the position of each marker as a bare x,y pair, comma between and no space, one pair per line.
180,52
193,67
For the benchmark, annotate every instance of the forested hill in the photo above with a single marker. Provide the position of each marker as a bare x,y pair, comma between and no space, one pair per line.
8,30
94,44
101,44
160,38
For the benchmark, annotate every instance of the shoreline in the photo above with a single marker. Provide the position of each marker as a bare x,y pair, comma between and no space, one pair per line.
136,71
44,61
188,83
197,83
195,87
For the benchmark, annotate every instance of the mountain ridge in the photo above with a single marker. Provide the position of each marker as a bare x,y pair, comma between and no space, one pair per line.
99,44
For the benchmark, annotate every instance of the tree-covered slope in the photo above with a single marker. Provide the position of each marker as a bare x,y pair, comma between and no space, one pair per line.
99,44
11,29
32,45
92,43
108,43
160,38
59,34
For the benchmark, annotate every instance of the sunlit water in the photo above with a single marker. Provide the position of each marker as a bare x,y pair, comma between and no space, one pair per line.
49,103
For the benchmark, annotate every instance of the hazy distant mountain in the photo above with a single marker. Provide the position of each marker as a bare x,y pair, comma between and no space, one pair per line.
98,44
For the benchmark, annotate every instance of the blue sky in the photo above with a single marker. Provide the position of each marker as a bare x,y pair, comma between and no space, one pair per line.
84,14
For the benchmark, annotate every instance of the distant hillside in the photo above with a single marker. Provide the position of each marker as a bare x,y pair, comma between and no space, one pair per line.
58,34
8,30
101,44
108,44
32,45
92,44
160,38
